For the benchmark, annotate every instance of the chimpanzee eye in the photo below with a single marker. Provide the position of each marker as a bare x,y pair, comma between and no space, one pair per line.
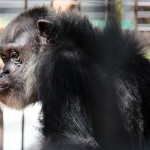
14,55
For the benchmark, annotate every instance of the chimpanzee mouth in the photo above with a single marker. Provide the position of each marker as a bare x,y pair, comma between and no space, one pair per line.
3,87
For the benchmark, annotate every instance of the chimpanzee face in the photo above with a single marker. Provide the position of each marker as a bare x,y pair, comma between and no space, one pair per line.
17,81
20,47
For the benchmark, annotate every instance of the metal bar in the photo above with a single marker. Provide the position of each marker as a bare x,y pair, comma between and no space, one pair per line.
1,129
22,132
106,12
135,11
25,4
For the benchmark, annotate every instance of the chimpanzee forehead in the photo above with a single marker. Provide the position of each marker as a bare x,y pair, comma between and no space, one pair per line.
17,33
18,39
20,42
22,38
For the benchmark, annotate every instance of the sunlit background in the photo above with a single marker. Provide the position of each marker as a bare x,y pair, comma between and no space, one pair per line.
20,130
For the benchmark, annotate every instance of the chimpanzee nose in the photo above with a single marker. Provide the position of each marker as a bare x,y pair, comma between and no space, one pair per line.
4,73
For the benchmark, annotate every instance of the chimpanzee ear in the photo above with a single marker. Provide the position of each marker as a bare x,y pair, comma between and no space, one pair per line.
44,26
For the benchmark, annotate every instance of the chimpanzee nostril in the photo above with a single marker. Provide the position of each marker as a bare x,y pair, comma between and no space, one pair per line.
6,71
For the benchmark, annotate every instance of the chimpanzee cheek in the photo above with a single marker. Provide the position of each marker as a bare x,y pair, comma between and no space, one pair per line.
12,68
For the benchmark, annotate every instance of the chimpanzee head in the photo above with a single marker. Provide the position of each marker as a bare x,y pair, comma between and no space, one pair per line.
19,50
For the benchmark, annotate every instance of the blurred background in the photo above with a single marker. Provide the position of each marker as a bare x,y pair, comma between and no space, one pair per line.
20,130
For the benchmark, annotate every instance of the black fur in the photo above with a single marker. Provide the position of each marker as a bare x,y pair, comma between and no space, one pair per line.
96,86
93,84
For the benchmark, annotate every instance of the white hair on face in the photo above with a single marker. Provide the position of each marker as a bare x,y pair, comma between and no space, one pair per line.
24,90
29,77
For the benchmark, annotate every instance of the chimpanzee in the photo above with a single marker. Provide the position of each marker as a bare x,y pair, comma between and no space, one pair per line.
93,84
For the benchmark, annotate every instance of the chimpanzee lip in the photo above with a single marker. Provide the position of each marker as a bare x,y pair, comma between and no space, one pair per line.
4,87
